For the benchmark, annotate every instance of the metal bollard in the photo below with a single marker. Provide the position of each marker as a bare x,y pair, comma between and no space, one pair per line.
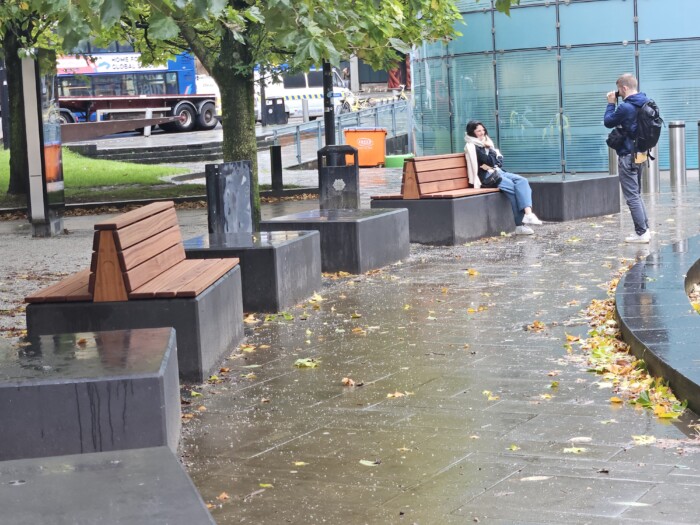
305,109
612,161
276,167
651,183
676,141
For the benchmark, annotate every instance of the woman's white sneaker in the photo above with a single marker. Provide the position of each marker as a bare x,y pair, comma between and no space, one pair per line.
524,230
531,218
639,239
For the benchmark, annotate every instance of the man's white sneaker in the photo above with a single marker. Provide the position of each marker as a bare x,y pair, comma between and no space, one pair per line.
531,218
639,239
524,230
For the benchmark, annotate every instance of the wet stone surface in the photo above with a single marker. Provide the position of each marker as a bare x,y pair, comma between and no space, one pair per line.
473,430
444,452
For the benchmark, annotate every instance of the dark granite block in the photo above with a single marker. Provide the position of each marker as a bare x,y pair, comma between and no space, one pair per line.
208,326
454,221
278,269
229,207
557,198
89,392
353,241
130,487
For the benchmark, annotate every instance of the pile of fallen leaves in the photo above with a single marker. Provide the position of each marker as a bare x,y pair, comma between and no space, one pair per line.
694,297
609,357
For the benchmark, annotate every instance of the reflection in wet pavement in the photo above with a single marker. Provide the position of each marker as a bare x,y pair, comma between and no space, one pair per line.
451,419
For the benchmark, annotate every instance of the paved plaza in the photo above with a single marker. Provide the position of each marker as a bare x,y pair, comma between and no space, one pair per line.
452,418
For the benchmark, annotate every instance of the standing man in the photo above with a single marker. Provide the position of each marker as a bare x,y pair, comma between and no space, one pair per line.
624,116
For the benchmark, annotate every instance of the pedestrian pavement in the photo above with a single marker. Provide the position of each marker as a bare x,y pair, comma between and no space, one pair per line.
453,418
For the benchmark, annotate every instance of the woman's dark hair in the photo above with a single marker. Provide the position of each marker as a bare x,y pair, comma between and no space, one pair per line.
472,125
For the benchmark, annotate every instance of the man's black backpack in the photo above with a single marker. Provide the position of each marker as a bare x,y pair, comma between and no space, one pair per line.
649,123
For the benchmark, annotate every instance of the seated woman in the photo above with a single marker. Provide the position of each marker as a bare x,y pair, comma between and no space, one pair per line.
484,159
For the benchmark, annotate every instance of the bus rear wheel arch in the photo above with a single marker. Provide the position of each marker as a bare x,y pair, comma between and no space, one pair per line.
66,117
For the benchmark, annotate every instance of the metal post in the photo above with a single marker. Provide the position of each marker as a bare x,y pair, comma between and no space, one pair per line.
612,161
305,109
319,134
651,183
393,120
276,167
297,140
376,118
147,129
328,109
676,136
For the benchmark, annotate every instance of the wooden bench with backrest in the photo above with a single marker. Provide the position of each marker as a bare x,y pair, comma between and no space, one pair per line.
137,256
436,177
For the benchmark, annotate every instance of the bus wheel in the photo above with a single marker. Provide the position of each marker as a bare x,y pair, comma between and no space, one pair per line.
207,116
66,117
185,113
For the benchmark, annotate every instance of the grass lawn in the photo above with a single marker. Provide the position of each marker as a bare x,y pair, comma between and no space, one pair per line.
90,180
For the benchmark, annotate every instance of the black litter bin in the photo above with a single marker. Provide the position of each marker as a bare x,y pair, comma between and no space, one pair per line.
276,112
338,183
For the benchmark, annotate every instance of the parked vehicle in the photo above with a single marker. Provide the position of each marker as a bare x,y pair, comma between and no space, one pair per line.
116,86
296,87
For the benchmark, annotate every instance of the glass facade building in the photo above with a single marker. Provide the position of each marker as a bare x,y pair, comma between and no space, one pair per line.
538,79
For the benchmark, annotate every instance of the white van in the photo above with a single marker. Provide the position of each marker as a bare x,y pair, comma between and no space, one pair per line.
300,86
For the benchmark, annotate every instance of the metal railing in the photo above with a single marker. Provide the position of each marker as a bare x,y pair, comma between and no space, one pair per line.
308,136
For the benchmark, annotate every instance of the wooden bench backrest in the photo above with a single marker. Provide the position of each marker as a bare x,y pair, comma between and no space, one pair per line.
432,174
132,249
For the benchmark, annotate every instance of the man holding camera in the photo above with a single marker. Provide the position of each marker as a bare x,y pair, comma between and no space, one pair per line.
629,163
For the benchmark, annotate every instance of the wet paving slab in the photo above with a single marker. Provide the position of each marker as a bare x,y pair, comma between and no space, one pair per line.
456,419
286,444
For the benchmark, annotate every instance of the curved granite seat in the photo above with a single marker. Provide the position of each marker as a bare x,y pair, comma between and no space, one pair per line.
657,319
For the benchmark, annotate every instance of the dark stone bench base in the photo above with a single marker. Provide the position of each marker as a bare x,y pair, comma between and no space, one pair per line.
657,320
278,269
208,326
353,241
454,221
575,196
130,487
89,392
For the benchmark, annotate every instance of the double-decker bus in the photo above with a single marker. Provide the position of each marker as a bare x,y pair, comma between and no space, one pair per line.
114,85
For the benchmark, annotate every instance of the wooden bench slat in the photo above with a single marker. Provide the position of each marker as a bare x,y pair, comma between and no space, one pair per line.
441,164
130,217
446,174
444,185
466,192
154,267
73,287
432,157
189,278
141,252
145,229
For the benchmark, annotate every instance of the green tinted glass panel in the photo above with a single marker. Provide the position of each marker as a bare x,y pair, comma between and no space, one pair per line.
673,81
587,75
476,34
660,19
529,111
526,28
431,110
473,94
596,22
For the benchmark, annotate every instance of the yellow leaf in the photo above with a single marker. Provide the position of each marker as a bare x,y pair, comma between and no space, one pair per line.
346,381
471,272
514,447
194,393
615,400
644,440
355,315
395,394
575,450
368,463
407,307
545,396
300,463
223,496
266,485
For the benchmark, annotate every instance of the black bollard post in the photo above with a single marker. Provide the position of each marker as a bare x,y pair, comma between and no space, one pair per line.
276,167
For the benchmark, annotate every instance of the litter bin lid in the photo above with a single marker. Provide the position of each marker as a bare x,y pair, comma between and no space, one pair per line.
365,129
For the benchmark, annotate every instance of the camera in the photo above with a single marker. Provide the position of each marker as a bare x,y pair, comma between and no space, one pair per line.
617,94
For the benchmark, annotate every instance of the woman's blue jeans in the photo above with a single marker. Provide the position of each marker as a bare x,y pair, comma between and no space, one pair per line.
519,193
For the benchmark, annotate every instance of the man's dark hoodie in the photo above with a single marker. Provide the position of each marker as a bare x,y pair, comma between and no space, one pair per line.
626,116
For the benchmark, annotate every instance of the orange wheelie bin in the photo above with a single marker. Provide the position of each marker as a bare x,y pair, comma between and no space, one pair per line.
370,144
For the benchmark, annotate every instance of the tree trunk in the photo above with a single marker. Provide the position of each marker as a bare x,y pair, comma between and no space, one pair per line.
238,111
19,166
